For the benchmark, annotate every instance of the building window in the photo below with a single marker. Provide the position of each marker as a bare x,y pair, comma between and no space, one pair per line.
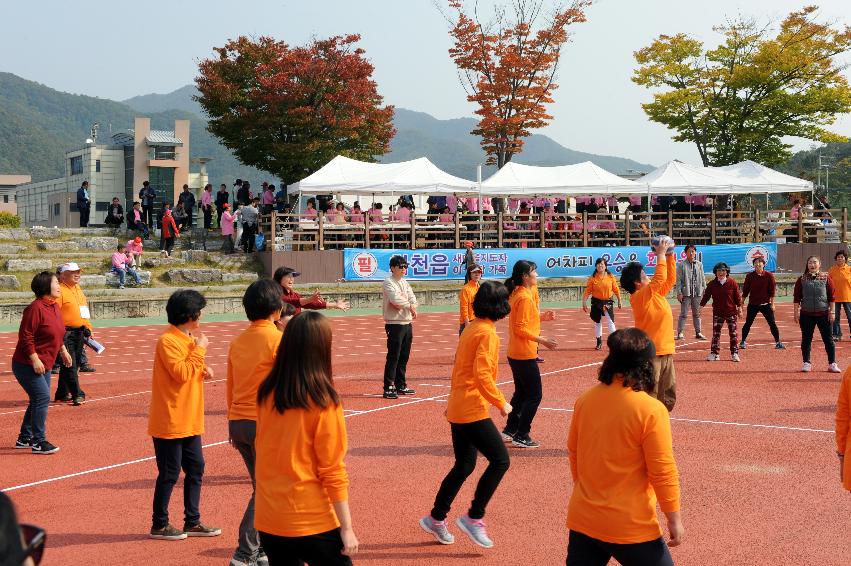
72,207
77,165
97,166
5,198
56,209
164,152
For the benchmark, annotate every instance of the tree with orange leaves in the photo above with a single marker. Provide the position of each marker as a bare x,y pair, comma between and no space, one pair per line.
290,110
509,70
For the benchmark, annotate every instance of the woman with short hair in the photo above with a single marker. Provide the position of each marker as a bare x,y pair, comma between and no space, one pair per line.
40,339
813,299
622,463
840,276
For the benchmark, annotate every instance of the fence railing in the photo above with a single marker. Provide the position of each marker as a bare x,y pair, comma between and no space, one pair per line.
299,232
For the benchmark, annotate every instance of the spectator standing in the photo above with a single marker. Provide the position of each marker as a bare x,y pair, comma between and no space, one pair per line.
76,317
147,196
188,200
222,198
268,199
251,357
250,215
399,307
601,287
690,285
243,194
84,204
285,277
653,315
170,232
622,462
115,214
302,508
176,416
524,336
135,248
226,223
813,299
122,264
469,260
207,206
473,391
726,309
40,340
238,222
759,288
843,425
281,199
795,211
238,185
840,275
467,294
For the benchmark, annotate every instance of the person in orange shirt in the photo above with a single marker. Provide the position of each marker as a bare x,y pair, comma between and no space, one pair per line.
251,356
78,327
468,292
302,500
524,335
473,391
176,416
843,425
653,315
622,463
601,286
840,274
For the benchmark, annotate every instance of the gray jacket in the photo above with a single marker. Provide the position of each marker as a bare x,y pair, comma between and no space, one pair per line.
690,279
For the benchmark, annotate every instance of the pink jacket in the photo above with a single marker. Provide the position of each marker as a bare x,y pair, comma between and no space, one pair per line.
133,247
227,223
206,198
120,260
310,213
403,214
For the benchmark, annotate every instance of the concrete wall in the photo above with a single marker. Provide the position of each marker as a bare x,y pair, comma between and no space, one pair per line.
33,201
324,266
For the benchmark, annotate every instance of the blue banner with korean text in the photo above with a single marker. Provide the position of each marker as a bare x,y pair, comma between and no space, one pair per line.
374,265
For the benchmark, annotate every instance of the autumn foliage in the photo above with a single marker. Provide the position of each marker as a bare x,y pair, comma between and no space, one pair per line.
290,110
509,69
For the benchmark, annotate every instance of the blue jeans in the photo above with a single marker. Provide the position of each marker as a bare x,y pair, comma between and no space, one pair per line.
122,275
37,387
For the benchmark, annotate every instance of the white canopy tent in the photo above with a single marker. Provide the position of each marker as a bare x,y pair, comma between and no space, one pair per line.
762,179
678,178
580,179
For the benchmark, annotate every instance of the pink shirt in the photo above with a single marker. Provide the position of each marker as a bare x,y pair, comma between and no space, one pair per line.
472,204
119,260
133,247
137,215
268,197
375,215
793,214
227,223
452,203
446,218
311,213
207,198
403,214
635,201
357,216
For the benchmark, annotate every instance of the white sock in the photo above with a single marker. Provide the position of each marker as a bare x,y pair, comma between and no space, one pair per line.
611,325
598,329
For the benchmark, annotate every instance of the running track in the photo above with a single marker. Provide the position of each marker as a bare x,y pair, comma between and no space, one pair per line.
753,442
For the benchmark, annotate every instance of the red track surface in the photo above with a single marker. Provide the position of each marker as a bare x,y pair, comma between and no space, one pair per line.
753,442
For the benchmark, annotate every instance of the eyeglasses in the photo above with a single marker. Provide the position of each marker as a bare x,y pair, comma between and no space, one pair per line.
34,538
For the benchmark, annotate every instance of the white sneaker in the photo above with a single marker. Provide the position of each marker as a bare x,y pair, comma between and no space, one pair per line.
713,358
735,358
680,336
834,368
807,367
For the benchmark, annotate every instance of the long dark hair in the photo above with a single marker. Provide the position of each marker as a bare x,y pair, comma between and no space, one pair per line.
302,375
521,268
631,354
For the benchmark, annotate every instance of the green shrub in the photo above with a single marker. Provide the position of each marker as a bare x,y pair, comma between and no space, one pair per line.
9,220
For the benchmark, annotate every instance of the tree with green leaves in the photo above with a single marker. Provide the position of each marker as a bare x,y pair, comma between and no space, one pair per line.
290,110
740,100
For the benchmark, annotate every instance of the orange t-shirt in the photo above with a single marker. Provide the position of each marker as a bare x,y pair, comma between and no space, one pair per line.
177,393
524,325
843,423
465,298
300,471
651,309
250,359
474,374
841,277
622,461
602,287
69,303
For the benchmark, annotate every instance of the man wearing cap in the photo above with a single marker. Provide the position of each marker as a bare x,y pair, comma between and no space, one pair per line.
400,310
77,319
468,293
285,277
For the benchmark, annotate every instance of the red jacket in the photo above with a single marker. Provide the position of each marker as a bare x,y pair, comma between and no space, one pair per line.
169,227
294,299
725,298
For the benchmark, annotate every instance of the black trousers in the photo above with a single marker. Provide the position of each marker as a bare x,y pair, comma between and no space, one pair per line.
174,454
468,440
527,396
323,549
219,211
189,217
148,215
583,550
69,377
808,324
248,233
766,311
168,244
208,217
84,216
399,340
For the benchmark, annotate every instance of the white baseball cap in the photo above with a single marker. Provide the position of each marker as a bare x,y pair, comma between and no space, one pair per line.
70,266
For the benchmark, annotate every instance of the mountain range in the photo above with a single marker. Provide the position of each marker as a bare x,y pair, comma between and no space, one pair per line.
38,124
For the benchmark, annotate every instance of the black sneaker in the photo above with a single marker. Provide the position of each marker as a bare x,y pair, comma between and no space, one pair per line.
405,391
23,442
87,369
67,398
167,533
779,346
79,400
743,345
524,442
44,447
599,343
508,435
201,530
390,393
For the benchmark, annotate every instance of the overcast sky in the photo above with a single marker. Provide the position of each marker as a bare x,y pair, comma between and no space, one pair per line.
118,50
